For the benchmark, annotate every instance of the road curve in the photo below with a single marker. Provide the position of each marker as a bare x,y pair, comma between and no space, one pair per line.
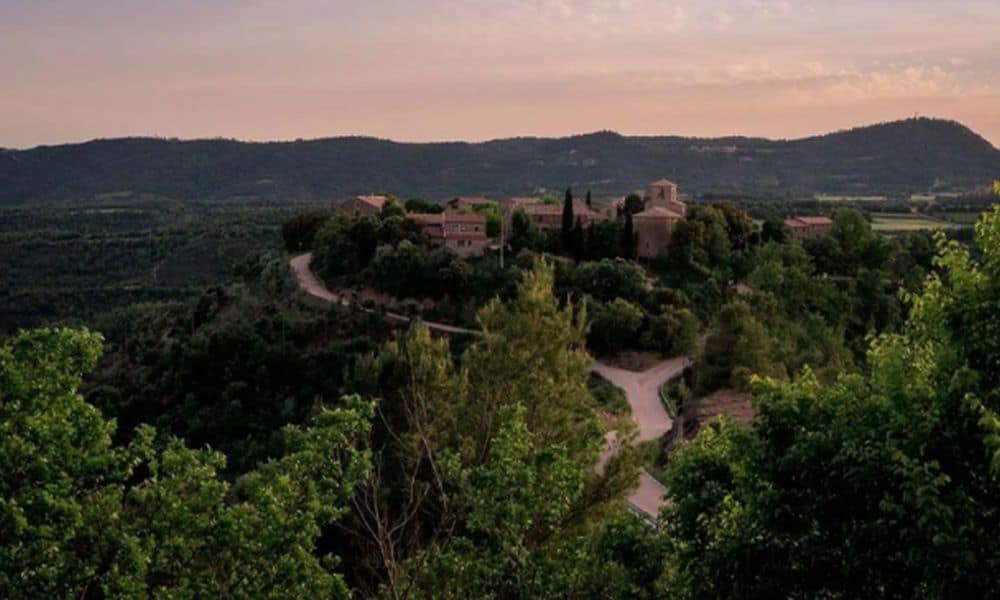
314,287
641,389
643,393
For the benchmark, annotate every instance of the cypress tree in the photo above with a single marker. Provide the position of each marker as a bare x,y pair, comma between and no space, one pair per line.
589,205
579,241
567,221
628,238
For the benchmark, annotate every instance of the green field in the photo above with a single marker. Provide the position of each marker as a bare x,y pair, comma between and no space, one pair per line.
893,222
831,198
960,218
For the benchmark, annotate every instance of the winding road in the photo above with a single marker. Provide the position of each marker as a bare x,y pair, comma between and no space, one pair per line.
642,390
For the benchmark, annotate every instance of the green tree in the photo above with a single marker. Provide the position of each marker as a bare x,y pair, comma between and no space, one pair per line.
419,205
615,326
629,238
633,204
391,208
876,486
524,234
299,232
775,230
604,239
80,517
579,241
568,221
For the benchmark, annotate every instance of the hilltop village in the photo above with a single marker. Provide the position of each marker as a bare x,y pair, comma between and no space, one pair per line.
652,216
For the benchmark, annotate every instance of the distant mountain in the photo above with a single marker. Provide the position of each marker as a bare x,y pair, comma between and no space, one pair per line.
903,156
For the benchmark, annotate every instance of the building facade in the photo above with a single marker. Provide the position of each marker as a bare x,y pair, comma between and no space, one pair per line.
463,233
654,226
809,227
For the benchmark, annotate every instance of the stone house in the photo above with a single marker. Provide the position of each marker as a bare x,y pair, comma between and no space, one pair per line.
463,233
809,227
361,206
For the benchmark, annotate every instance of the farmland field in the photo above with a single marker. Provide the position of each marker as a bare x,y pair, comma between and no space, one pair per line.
893,222
960,217
831,198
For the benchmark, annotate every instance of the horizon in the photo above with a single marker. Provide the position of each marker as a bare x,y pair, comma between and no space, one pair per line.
489,140
444,71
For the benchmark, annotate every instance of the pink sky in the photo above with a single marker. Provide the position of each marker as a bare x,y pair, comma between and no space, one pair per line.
421,70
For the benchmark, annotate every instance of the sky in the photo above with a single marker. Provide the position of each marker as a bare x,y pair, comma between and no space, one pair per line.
424,70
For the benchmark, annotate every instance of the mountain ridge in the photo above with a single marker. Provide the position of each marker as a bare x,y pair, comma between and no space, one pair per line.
894,157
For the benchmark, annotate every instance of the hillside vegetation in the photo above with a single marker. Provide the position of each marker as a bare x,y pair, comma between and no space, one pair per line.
900,157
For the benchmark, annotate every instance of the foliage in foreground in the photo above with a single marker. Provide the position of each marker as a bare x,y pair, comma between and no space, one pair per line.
884,484
81,517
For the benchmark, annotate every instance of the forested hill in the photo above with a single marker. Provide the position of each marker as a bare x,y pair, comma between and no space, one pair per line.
903,156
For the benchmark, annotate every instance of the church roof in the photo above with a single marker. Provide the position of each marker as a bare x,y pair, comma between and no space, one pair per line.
657,212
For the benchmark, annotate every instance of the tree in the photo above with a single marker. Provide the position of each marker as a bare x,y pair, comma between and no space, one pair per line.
532,352
672,332
775,230
579,244
737,347
391,208
604,239
610,279
524,234
875,486
629,238
589,204
568,220
419,205
633,204
299,232
615,326
701,242
80,517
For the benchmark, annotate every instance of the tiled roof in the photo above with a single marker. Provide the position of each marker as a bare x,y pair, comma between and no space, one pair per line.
657,212
807,221
442,218
579,209
664,182
376,201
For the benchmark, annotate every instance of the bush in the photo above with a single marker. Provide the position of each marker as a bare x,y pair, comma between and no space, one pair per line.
615,326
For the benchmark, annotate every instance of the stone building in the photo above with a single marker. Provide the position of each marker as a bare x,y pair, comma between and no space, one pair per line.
664,193
361,206
809,227
548,216
655,225
463,233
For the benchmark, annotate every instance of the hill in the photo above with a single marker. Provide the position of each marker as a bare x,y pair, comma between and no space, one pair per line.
903,156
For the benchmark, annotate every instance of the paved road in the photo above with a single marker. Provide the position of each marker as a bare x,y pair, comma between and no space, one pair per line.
643,393
314,287
641,389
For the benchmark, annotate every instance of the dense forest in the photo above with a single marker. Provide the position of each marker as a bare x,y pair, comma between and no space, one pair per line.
915,155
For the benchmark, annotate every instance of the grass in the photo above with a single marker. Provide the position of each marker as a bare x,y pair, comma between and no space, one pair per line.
898,222
831,198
